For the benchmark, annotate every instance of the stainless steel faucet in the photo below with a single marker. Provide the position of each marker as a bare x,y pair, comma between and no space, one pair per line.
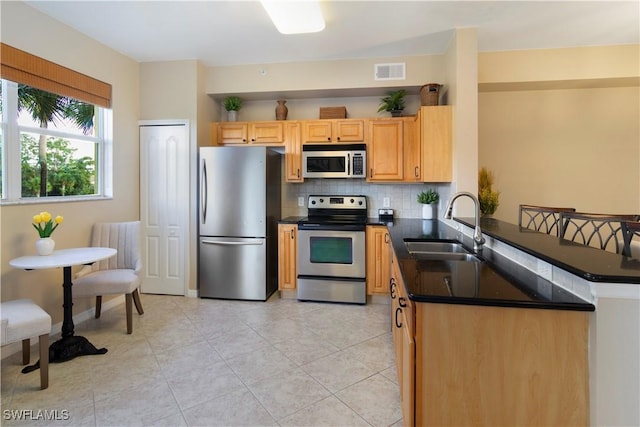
478,240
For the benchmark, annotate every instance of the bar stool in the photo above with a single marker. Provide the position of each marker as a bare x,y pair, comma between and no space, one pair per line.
544,219
21,320
603,231
631,238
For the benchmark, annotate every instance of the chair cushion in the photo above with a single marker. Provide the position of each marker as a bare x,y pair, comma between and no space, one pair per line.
23,319
106,282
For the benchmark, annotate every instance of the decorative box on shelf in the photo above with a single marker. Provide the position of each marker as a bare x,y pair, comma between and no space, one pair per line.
333,112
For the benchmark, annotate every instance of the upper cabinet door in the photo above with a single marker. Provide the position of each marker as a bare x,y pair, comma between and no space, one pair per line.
385,151
317,131
266,132
349,130
232,133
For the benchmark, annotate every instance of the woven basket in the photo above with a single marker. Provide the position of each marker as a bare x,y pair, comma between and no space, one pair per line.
430,94
333,112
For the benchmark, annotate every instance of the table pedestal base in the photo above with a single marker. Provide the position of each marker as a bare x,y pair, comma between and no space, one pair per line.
66,349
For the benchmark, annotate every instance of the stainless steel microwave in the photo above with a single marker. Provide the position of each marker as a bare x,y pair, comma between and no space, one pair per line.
334,160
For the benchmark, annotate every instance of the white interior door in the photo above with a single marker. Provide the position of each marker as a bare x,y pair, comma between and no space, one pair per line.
164,206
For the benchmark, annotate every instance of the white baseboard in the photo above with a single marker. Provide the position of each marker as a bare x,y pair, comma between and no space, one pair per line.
10,349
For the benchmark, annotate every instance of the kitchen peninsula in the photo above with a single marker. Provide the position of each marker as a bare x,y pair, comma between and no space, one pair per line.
495,343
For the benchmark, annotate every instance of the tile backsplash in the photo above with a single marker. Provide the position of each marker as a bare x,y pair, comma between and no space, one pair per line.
402,197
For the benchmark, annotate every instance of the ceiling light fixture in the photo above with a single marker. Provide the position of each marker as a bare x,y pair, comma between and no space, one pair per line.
295,17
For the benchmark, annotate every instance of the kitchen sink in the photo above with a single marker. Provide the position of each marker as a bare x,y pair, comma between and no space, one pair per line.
445,256
432,250
439,247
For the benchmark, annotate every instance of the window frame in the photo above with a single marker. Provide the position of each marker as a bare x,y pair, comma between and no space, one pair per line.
12,165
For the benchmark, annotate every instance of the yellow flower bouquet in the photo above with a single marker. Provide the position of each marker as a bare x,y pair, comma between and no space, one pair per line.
46,224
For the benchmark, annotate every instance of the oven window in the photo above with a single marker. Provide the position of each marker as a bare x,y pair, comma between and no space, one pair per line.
331,250
326,164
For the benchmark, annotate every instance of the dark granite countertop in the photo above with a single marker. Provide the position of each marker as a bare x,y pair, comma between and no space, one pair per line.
592,264
496,281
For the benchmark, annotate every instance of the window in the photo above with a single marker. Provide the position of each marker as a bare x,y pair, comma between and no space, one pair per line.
52,146
62,152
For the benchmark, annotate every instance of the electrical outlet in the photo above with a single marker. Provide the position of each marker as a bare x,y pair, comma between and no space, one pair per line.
385,202
301,201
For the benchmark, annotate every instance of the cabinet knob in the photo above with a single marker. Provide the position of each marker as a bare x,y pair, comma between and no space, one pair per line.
338,138
402,302
292,234
329,139
298,172
371,173
417,172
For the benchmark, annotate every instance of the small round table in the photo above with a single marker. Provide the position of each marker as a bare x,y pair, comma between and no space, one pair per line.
70,345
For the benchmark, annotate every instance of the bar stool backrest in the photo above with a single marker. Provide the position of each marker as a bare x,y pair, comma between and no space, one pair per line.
602,231
631,238
544,219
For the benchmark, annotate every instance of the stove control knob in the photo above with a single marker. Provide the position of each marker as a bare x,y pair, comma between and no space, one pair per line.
360,202
321,200
352,201
313,202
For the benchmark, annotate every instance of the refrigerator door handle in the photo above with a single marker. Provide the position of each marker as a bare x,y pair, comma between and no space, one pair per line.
222,242
203,191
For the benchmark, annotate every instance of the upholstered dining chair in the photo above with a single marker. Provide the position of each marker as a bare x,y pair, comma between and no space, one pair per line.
119,274
21,320
544,219
603,231
631,239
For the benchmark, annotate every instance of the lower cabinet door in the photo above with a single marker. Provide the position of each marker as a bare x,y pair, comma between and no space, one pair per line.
407,385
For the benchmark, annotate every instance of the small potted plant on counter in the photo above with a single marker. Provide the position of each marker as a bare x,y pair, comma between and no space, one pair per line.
429,200
393,103
232,104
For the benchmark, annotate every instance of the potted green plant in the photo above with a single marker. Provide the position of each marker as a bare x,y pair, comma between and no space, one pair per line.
393,103
429,200
232,104
488,198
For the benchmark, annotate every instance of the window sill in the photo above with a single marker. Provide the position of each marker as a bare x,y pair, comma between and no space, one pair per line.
53,199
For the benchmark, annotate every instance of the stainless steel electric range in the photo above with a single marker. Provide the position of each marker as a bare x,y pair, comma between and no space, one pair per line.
331,250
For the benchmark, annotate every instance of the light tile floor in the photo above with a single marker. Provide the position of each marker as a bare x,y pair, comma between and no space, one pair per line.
202,362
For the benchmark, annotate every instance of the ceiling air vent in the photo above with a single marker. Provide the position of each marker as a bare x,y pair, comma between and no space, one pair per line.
389,71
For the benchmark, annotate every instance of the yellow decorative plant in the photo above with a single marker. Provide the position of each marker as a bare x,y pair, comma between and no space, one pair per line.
488,198
46,224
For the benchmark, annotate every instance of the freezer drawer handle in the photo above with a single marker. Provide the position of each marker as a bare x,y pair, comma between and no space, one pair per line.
252,243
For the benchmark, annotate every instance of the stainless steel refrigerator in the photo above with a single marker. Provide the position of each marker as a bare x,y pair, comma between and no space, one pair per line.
239,209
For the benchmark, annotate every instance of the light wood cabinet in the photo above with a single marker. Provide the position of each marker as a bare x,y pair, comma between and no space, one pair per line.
403,332
385,150
488,365
333,130
412,151
394,150
287,256
378,249
435,129
293,153
258,133
266,133
231,133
